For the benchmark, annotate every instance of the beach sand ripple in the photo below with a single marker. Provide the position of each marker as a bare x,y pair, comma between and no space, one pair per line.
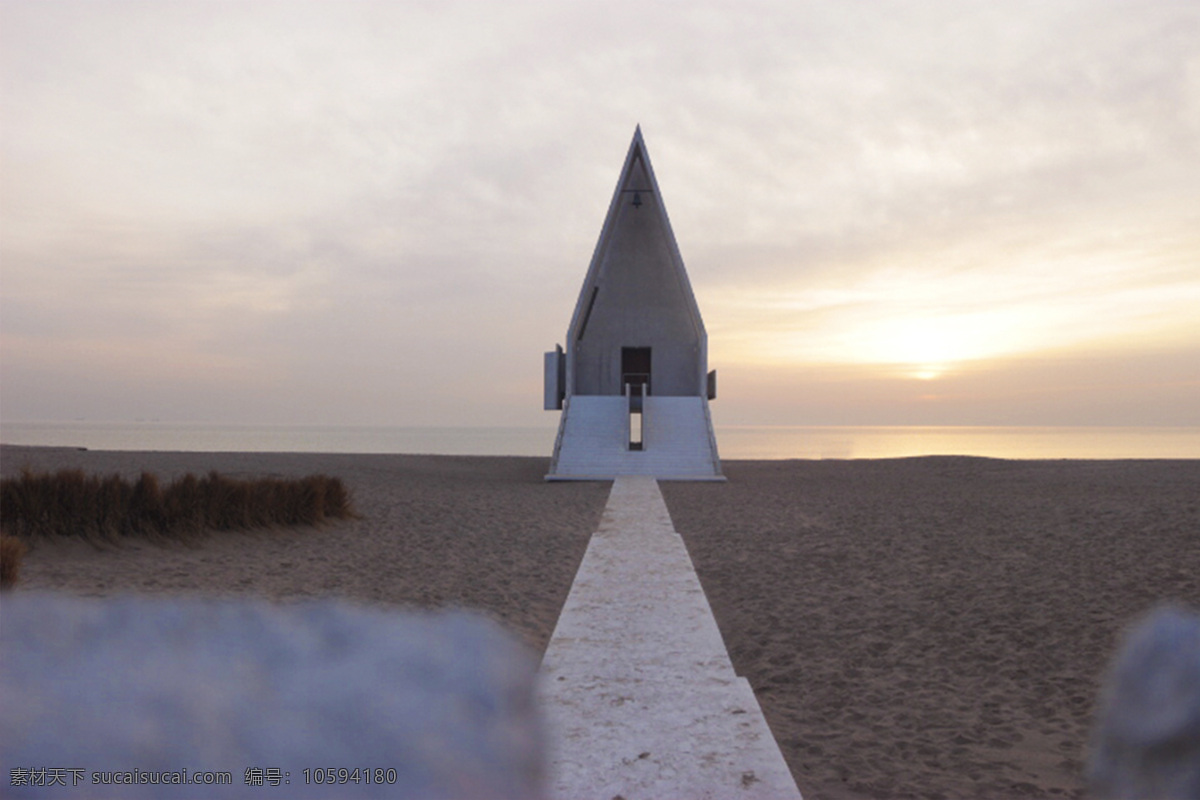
932,627
937,627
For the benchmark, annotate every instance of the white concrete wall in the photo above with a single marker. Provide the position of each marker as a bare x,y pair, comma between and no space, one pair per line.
643,300
553,380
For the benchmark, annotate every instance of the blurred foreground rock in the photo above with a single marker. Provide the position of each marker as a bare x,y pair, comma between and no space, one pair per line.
140,685
1147,741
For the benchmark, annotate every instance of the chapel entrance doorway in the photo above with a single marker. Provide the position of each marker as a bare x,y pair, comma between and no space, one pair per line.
635,368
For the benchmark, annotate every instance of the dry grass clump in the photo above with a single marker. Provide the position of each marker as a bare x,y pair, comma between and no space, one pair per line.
11,551
72,503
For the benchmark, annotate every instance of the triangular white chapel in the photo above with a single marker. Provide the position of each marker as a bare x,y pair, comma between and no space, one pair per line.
633,381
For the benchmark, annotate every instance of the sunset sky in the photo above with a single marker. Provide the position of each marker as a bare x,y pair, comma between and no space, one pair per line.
381,213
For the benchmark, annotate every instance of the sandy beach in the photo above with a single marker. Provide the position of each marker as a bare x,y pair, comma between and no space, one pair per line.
932,627
937,627
480,533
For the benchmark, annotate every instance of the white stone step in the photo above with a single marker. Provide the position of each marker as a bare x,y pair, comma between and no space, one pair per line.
677,437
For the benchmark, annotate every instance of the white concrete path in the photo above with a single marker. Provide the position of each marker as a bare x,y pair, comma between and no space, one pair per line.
640,697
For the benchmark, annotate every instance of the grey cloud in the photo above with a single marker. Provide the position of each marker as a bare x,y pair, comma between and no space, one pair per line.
385,180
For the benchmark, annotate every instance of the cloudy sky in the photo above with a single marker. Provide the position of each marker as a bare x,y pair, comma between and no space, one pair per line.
927,212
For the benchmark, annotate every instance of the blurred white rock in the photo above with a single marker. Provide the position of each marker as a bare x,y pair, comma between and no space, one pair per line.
140,685
1147,739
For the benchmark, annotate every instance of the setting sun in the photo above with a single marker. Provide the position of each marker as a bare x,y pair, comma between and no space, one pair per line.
931,346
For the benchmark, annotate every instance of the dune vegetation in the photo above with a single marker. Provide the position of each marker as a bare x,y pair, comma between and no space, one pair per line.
109,508
11,551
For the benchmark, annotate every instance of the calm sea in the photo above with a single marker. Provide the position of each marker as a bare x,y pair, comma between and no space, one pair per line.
734,441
